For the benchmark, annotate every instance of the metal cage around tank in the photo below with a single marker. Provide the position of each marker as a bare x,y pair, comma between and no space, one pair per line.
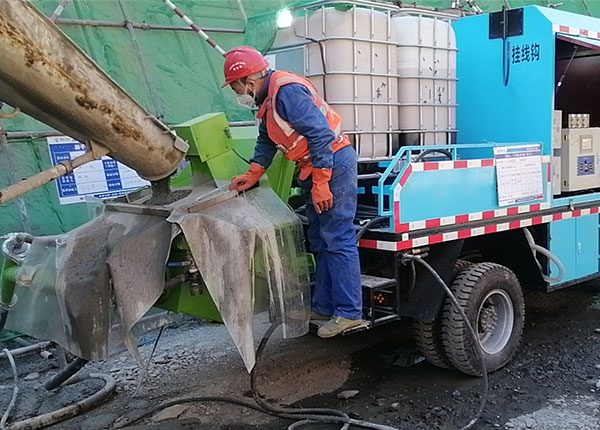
379,116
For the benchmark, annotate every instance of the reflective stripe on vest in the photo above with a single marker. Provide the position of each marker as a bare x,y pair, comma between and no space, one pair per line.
289,141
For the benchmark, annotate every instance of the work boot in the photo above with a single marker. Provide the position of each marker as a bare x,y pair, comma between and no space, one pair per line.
318,317
337,325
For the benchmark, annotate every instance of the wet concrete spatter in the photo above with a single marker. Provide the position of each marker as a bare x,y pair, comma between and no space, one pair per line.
249,252
576,413
86,289
554,373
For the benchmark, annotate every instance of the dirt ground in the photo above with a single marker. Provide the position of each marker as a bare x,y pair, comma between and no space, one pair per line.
552,384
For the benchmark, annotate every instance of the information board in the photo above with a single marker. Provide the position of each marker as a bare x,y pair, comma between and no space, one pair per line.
519,174
102,179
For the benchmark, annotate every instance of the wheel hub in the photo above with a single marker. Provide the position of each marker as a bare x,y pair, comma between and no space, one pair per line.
488,320
495,321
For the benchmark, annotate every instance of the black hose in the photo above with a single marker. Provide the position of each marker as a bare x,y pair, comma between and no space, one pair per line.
413,278
505,48
193,399
320,43
258,398
74,367
431,151
368,225
471,331
505,61
322,52
301,416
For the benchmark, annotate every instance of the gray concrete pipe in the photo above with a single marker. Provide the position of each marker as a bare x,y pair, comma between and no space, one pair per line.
48,77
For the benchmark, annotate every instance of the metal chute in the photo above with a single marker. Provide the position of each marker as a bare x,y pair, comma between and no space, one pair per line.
47,76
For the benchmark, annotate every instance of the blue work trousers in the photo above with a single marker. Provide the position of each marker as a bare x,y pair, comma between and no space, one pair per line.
332,238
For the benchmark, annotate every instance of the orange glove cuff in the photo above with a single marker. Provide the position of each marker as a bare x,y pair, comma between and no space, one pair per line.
247,180
320,176
321,194
256,170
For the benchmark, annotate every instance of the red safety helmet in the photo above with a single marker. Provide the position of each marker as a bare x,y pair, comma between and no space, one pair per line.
242,62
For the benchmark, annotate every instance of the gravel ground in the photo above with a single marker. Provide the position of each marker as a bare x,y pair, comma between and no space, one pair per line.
552,384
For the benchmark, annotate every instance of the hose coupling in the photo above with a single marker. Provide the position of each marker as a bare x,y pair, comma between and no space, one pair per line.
16,246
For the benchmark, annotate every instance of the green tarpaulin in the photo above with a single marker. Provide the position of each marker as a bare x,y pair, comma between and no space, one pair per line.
182,79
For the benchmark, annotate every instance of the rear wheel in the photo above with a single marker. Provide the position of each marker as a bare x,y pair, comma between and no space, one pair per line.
428,335
491,297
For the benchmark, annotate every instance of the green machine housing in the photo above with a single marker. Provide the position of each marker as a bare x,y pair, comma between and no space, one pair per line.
217,153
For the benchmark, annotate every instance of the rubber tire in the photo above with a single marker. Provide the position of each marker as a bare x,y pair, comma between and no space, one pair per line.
470,288
428,335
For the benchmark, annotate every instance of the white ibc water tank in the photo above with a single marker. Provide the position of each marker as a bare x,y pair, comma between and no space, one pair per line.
360,75
427,80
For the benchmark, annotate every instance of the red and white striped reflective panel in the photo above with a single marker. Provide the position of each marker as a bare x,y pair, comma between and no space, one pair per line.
575,31
475,216
400,227
407,243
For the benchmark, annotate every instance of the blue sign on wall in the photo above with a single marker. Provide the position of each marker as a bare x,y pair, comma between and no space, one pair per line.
102,179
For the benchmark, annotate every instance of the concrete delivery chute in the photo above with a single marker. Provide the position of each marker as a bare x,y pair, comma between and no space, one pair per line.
73,95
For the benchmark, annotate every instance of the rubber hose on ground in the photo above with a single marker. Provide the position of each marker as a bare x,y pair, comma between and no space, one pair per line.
74,367
71,410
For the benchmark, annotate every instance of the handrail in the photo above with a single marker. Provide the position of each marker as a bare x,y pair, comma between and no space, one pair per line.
406,153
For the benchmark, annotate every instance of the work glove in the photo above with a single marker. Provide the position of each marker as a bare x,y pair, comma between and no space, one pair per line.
321,195
247,180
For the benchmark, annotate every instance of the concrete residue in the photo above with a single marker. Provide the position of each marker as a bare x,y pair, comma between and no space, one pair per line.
249,252
88,288
579,413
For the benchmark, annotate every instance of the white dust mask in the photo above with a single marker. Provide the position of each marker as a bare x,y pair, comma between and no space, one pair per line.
246,100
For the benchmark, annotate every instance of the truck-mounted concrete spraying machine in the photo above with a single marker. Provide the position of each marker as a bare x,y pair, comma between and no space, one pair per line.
479,167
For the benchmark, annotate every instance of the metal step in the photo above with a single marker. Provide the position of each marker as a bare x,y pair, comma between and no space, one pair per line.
375,282
376,291
364,325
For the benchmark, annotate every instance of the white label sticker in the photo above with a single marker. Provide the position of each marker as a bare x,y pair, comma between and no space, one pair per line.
519,174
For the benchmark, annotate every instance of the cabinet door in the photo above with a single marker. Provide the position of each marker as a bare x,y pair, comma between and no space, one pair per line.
563,244
587,245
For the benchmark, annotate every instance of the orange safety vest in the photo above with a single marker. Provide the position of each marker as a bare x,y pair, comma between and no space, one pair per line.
293,145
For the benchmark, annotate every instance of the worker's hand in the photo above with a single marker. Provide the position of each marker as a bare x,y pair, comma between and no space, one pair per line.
321,194
247,180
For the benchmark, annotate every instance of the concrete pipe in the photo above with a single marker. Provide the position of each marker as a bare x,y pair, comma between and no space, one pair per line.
48,77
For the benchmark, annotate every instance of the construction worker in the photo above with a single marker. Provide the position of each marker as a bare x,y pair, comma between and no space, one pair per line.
298,122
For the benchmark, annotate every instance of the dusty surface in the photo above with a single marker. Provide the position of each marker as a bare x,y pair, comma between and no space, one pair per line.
552,384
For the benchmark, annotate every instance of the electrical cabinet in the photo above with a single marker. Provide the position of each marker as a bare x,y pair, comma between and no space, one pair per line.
556,145
580,159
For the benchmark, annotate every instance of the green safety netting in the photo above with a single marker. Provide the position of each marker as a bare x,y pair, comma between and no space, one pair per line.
183,77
